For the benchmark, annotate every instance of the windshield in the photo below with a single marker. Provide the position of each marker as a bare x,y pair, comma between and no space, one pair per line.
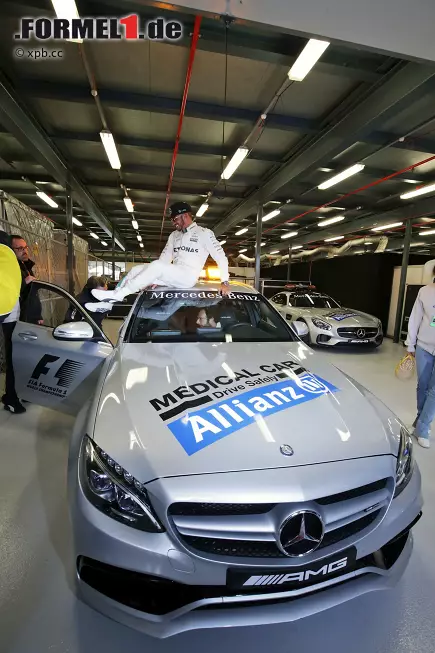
309,300
206,316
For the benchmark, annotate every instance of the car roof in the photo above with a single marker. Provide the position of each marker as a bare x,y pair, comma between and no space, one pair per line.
235,286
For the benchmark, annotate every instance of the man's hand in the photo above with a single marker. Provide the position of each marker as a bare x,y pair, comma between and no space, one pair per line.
224,289
29,279
41,322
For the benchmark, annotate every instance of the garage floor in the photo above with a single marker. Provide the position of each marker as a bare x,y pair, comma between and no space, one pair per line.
39,612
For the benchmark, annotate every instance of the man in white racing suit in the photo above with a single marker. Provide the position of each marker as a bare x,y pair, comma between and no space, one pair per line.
180,263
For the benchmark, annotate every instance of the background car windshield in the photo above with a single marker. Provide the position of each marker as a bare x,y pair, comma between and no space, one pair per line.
314,301
244,318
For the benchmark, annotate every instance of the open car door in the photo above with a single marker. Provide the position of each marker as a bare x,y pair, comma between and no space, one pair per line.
58,350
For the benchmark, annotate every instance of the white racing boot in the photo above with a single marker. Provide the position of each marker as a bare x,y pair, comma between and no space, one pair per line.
98,307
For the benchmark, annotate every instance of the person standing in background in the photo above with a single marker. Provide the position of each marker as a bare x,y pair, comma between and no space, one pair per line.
421,344
10,284
33,308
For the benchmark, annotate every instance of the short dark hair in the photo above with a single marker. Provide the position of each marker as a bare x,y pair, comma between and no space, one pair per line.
16,237
95,282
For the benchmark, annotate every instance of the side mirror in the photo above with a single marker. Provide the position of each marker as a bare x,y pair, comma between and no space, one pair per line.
74,331
301,329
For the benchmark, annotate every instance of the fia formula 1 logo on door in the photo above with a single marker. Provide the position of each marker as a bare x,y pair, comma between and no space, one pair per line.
130,28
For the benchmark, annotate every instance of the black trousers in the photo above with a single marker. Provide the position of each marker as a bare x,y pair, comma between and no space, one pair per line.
10,395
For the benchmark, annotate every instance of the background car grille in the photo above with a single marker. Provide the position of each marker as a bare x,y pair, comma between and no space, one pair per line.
352,332
249,530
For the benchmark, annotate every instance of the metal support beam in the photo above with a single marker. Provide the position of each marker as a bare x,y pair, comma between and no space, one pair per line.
397,92
113,255
258,246
70,243
289,263
32,137
402,283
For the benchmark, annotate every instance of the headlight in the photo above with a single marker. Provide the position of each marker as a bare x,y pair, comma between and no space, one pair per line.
320,324
111,489
405,462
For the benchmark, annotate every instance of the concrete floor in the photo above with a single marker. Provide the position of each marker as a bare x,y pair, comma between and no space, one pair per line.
40,614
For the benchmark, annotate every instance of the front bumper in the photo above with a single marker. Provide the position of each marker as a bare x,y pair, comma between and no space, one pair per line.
332,338
125,574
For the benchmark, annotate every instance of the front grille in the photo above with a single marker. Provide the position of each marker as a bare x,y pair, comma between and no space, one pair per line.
249,530
247,549
220,508
352,332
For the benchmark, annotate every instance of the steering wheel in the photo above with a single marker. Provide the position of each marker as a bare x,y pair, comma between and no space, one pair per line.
231,327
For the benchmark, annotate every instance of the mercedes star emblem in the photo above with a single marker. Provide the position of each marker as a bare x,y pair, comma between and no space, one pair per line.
301,533
361,333
286,450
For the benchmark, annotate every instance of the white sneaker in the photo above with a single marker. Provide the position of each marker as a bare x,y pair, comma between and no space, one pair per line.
98,307
424,442
105,295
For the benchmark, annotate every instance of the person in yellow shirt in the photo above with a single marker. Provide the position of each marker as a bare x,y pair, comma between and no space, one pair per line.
10,285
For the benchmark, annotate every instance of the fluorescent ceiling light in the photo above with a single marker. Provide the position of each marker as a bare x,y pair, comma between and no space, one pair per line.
325,223
427,219
140,244
388,226
202,209
66,9
243,250
275,251
307,59
128,204
411,181
77,222
262,244
91,233
139,237
241,231
222,242
289,234
326,209
271,215
135,224
110,147
328,240
341,176
234,162
47,199
104,243
418,191
296,247
428,232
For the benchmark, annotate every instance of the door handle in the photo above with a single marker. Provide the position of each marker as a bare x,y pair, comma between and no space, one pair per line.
28,335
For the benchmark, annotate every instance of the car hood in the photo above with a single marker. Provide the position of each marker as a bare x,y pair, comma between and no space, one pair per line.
196,408
343,316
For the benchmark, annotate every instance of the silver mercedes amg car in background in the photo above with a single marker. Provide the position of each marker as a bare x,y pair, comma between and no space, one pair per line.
329,324
221,473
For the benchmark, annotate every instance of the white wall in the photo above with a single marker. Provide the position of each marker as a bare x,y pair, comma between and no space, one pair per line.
396,26
414,276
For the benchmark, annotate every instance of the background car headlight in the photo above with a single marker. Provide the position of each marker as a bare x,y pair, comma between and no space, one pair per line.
405,462
111,489
320,324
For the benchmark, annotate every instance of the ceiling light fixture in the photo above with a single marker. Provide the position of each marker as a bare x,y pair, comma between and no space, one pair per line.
411,181
324,223
128,204
289,234
140,244
241,231
262,244
428,232
307,59
47,199
110,147
234,162
91,233
66,9
77,222
135,224
202,209
353,170
139,237
104,243
296,247
329,240
270,215
222,242
275,251
326,209
245,249
418,191
387,226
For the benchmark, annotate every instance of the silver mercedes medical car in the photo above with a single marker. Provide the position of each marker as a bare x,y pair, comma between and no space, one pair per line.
329,324
221,473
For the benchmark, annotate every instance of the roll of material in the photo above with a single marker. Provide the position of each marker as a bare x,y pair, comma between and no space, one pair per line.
10,277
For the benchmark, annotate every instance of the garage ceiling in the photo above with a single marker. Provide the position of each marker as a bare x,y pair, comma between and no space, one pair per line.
353,107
